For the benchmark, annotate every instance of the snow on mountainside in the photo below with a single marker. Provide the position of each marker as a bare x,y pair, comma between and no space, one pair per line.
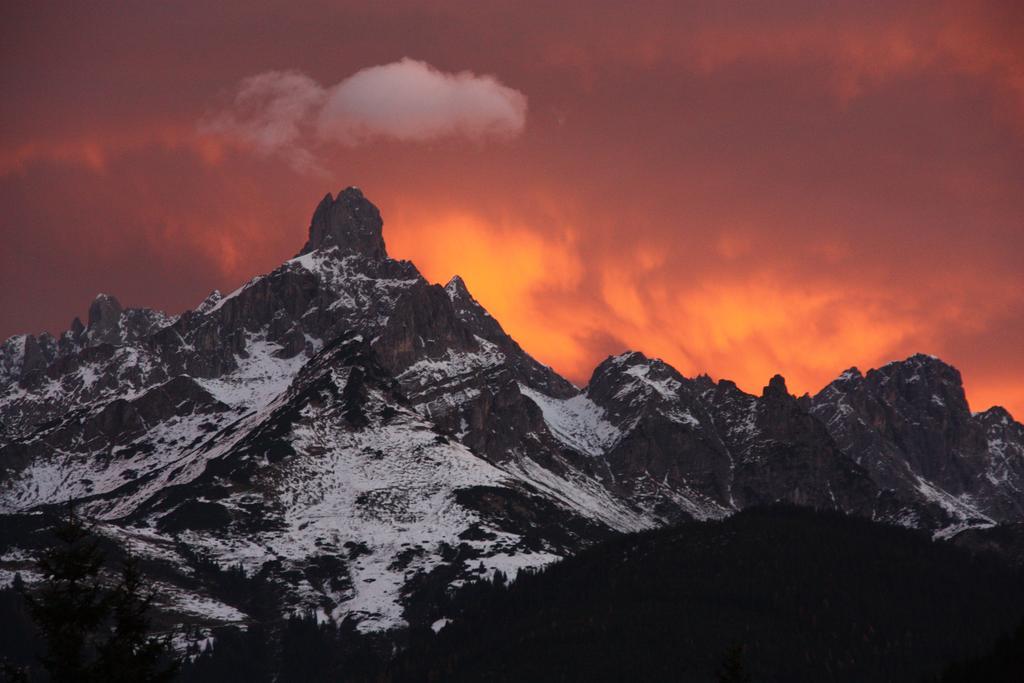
185,433
577,422
362,438
320,473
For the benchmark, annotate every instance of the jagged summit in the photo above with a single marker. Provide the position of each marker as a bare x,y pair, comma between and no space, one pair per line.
105,319
776,387
920,366
996,415
625,359
350,222
104,308
456,288
919,359
851,374
342,416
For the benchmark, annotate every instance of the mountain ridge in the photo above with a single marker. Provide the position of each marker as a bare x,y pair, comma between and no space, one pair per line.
341,401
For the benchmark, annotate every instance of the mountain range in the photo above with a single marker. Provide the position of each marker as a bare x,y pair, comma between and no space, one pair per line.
362,438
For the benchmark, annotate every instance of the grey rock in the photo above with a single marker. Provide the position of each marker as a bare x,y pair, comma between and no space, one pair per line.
349,222
345,390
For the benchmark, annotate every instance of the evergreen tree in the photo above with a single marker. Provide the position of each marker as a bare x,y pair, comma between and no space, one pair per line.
91,633
13,673
18,637
732,670
1003,664
130,653
70,606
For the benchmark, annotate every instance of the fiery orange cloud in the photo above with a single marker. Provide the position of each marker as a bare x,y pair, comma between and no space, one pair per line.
745,329
510,269
860,48
740,193
94,152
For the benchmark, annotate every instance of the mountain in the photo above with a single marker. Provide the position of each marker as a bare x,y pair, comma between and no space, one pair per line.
366,441
909,425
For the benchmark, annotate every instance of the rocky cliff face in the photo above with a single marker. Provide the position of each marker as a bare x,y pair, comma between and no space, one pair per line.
908,424
349,223
361,437
711,448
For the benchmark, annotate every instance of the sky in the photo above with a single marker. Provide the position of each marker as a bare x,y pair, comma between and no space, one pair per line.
741,189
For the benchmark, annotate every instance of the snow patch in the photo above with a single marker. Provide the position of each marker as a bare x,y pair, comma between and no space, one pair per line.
260,377
577,422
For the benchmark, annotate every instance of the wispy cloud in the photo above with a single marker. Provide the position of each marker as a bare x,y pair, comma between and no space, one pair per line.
285,112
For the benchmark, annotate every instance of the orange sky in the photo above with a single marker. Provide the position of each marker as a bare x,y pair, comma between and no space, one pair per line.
786,188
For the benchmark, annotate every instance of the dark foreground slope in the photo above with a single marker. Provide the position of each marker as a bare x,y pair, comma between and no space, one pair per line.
809,596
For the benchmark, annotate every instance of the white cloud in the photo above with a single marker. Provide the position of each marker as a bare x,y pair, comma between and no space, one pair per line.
411,100
283,112
270,113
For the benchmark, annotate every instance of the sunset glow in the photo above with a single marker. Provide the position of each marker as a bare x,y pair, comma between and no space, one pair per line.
793,190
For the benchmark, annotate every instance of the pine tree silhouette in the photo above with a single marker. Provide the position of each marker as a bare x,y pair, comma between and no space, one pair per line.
732,669
70,605
91,633
131,653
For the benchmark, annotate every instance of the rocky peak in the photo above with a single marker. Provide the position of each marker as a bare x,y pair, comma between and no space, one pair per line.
482,324
77,328
457,290
921,381
35,357
909,421
631,383
725,392
424,324
782,415
703,384
621,362
611,368
104,320
776,388
996,416
633,367
921,365
470,310
473,315
104,310
210,301
849,376
349,222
